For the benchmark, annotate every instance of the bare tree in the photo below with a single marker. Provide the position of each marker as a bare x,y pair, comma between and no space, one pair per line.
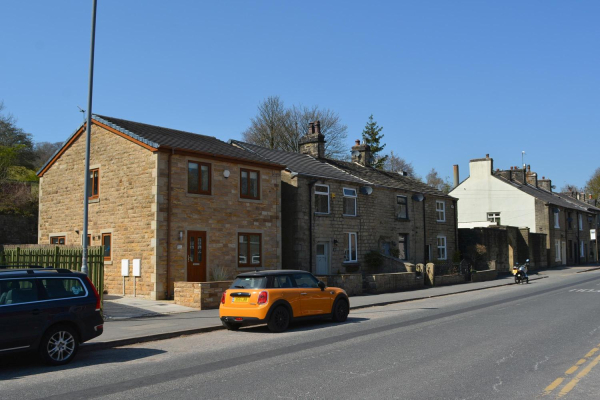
568,188
276,127
434,179
43,151
397,164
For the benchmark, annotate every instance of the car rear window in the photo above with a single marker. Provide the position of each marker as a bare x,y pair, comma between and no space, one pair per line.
18,291
250,282
63,288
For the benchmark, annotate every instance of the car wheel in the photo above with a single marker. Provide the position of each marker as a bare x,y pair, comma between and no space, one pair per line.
516,278
280,319
340,311
59,345
231,326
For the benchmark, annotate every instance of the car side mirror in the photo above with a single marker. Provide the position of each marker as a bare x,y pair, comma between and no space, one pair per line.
322,285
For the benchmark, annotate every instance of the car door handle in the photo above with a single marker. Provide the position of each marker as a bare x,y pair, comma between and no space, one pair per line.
302,294
36,311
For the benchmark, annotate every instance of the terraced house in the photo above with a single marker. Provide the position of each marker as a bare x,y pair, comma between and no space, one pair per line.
190,207
334,212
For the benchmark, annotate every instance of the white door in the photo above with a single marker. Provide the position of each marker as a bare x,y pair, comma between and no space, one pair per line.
322,258
563,253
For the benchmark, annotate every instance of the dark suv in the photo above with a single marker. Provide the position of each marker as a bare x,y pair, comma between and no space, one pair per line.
48,310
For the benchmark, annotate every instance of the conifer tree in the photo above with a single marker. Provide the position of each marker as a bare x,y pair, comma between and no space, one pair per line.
372,136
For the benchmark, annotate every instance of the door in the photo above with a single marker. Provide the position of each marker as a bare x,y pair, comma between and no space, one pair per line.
313,300
196,256
21,320
564,253
322,258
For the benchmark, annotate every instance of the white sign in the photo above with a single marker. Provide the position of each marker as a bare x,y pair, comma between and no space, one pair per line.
592,234
124,267
137,267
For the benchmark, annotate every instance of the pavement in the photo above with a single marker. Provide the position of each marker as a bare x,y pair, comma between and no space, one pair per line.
133,320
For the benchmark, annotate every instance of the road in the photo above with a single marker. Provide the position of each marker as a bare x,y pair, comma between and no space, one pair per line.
540,340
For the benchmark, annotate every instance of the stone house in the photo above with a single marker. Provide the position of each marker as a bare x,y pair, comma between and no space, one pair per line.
335,212
189,206
516,197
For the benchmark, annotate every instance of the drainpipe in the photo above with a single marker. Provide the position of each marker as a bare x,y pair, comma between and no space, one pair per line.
425,235
455,225
169,222
310,224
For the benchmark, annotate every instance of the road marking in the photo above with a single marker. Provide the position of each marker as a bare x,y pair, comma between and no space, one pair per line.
591,353
579,376
553,386
571,370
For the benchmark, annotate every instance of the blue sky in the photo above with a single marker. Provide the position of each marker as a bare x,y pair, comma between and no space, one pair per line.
447,80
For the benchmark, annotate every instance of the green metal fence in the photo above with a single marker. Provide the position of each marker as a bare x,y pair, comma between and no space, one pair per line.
67,257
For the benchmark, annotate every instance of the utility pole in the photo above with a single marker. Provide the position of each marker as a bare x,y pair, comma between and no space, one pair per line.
88,130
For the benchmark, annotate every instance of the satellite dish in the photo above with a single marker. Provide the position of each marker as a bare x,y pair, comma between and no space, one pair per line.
418,197
366,190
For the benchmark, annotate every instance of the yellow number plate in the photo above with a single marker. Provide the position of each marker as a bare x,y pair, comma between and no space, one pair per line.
241,299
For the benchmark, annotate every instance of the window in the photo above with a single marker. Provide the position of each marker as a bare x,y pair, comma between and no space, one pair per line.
89,240
198,178
440,208
17,291
57,240
402,202
557,250
322,199
282,282
350,253
403,246
441,246
94,184
107,243
556,218
580,222
569,219
494,217
350,202
58,288
249,250
306,281
582,249
249,184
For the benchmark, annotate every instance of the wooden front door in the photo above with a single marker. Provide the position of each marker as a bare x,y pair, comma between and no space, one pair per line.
196,256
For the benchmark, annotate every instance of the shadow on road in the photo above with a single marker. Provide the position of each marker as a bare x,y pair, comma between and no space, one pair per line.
20,365
302,326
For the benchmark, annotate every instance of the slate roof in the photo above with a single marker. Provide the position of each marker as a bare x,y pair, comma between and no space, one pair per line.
549,197
166,138
340,170
303,164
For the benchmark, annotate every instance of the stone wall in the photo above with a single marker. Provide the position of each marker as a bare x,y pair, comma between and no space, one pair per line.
201,295
376,224
445,280
351,283
396,282
482,276
18,229
125,208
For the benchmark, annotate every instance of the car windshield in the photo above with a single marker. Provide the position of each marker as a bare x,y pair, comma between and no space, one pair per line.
250,282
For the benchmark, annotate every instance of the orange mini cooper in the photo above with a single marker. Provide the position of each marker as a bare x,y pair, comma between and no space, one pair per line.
277,297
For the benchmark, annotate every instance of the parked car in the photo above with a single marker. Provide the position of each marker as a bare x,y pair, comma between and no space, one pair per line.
47,310
277,297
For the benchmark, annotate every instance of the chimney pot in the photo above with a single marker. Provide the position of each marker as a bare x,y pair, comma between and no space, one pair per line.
487,156
357,142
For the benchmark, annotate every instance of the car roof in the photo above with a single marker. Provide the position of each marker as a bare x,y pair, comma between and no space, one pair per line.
37,271
270,272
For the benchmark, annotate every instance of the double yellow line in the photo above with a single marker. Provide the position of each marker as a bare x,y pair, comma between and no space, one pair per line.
574,381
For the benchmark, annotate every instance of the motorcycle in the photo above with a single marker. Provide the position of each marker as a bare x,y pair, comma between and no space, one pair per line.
520,273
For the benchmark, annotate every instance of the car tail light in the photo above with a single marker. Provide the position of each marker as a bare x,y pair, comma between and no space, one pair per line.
263,297
98,302
223,297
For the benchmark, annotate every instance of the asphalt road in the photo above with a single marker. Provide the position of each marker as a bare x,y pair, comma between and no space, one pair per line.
540,340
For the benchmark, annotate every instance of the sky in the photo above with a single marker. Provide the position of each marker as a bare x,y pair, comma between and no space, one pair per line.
448,81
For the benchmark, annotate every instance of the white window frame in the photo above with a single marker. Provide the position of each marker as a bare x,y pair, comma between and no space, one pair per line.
350,236
443,247
440,210
350,196
556,219
557,255
323,193
493,217
580,222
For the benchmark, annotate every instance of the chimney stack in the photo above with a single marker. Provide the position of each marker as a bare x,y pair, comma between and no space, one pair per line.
313,143
361,154
456,177
545,184
531,177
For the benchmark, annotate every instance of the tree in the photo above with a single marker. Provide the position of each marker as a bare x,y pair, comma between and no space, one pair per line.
433,179
568,188
593,185
396,164
278,127
43,151
15,137
372,136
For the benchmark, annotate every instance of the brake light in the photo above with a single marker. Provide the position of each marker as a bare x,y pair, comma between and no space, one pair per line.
263,297
98,303
223,297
